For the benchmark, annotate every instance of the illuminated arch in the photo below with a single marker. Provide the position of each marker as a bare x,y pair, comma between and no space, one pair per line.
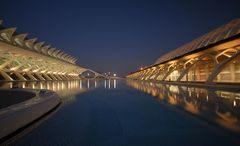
201,69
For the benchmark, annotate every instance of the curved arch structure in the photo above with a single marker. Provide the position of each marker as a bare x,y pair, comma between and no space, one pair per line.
25,59
209,59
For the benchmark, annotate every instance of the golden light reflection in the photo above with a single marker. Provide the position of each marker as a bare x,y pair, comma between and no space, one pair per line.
105,84
219,107
95,84
88,84
67,90
114,83
109,84
80,86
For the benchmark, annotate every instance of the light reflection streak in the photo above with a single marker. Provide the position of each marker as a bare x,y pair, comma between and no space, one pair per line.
95,84
114,83
88,84
80,84
41,86
109,84
105,84
217,106
67,90
23,86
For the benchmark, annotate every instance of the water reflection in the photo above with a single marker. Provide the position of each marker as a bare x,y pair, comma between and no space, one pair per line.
110,84
214,105
67,90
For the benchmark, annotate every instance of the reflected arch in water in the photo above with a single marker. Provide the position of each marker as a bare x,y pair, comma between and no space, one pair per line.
216,106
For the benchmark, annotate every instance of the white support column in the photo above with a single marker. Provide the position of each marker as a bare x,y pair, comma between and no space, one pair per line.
66,76
154,73
39,76
69,77
56,76
62,77
20,76
185,71
142,76
51,75
219,67
47,77
31,76
149,74
157,73
6,76
169,72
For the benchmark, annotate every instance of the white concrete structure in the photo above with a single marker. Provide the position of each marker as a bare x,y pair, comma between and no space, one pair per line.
209,59
23,59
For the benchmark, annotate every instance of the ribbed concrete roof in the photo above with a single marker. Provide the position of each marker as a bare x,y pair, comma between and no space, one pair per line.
10,35
224,32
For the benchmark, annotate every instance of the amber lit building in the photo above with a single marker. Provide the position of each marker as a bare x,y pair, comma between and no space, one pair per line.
211,58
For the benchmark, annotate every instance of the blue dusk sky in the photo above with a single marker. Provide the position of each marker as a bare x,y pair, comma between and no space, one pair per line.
117,36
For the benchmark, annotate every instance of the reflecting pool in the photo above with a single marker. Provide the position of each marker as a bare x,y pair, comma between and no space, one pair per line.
67,90
214,105
120,112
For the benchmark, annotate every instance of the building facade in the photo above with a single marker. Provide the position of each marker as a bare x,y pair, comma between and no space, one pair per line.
23,59
209,59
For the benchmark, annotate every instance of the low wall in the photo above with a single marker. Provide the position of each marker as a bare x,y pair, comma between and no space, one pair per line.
21,114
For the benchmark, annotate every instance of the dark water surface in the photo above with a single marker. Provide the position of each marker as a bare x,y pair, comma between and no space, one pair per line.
119,113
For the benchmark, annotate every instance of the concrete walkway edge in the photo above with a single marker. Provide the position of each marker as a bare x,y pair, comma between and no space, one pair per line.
19,115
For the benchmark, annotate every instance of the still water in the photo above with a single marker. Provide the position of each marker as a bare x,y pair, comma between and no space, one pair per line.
120,112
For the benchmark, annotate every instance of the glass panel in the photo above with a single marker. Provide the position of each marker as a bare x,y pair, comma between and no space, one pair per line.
230,72
200,71
174,75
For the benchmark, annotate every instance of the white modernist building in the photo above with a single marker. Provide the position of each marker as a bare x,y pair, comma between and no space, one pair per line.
210,59
23,58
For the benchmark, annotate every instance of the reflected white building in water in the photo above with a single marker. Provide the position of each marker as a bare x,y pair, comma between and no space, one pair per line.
65,89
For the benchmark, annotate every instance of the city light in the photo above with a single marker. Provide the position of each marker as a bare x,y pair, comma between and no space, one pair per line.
114,75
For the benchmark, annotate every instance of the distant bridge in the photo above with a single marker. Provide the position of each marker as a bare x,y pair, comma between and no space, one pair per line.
23,59
209,59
